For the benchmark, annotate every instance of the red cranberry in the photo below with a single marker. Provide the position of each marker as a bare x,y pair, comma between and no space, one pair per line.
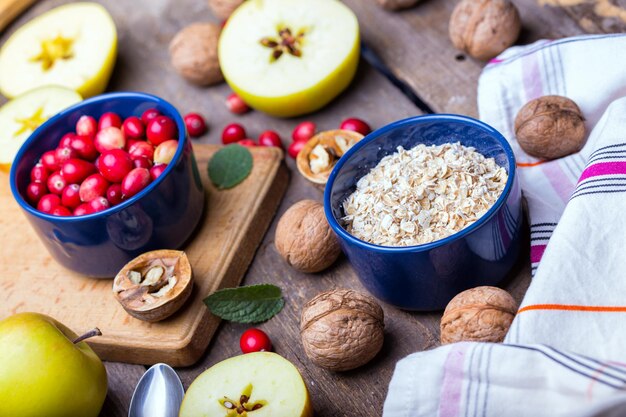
164,153
356,125
109,119
304,131
49,160
70,197
141,149
233,133
83,210
75,170
61,211
135,181
160,129
157,170
39,173
64,154
114,165
48,202
99,204
270,138
142,162
133,128
66,140
114,194
255,340
34,192
149,115
196,126
109,138
236,104
295,148
247,142
86,126
85,147
93,187
56,183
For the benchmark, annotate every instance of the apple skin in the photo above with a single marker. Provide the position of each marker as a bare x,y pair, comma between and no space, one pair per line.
44,373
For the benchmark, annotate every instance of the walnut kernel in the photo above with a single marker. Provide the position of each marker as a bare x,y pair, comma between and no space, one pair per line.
342,329
550,127
484,28
193,53
481,314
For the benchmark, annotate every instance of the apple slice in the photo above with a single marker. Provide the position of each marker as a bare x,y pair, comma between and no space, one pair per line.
261,384
289,57
73,46
22,115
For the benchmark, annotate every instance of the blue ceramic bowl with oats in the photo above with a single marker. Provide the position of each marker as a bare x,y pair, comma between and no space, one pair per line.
444,250
161,216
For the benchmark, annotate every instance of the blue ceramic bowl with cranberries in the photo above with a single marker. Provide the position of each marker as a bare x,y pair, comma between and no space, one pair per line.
109,179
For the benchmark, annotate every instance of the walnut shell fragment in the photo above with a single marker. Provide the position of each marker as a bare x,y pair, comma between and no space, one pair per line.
304,238
193,53
484,28
342,329
154,285
550,127
397,4
224,8
482,314
320,154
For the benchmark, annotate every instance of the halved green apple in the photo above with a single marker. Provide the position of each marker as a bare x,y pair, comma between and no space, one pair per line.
260,384
72,46
22,115
289,57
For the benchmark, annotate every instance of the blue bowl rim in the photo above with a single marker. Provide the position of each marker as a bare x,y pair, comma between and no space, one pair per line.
439,117
170,110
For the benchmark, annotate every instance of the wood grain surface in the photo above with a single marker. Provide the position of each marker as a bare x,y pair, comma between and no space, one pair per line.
235,221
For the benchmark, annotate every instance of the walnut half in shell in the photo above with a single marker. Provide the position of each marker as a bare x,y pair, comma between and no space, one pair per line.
154,285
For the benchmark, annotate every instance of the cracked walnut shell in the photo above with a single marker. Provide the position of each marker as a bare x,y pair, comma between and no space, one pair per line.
484,28
342,329
193,53
550,127
304,237
154,285
481,314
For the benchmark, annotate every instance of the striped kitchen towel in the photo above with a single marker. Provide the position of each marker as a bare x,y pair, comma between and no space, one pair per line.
564,354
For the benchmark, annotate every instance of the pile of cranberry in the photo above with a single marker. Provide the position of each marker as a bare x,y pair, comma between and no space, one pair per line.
102,163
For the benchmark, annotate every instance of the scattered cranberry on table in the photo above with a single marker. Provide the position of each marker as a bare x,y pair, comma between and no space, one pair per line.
295,148
303,132
236,104
270,138
232,133
255,340
196,126
356,125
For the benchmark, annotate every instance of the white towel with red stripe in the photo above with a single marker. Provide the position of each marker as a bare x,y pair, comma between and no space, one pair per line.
566,351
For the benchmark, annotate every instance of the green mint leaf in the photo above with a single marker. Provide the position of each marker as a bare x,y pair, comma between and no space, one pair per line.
251,304
229,166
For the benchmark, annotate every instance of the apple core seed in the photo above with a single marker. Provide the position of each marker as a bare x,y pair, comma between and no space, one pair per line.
286,42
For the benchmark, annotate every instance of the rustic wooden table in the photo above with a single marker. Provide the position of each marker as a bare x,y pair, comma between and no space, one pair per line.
409,68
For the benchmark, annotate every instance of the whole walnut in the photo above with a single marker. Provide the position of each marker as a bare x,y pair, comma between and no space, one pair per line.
224,8
482,314
304,238
550,127
484,28
193,53
397,4
342,329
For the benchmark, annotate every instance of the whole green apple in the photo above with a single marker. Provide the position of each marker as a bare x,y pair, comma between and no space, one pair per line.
44,374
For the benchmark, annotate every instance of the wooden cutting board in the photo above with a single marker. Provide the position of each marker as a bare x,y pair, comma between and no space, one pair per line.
224,245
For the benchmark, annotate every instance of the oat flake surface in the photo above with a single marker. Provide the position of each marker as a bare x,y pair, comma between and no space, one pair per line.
422,195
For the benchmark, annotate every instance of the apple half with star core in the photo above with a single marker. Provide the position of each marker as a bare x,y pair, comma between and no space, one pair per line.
25,113
74,46
45,370
259,384
289,57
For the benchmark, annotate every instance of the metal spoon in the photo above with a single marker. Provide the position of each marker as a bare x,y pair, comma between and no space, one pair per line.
159,393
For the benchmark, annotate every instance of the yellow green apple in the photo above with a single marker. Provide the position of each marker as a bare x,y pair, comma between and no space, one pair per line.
260,384
74,46
22,115
43,373
289,57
